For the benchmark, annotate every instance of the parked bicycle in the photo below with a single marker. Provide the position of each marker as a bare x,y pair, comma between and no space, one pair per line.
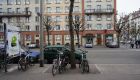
59,64
25,61
84,65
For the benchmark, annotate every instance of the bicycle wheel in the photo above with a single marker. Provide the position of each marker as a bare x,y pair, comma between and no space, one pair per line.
86,66
22,65
82,67
54,70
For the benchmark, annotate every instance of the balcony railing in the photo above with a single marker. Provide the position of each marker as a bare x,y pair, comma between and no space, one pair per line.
15,14
99,11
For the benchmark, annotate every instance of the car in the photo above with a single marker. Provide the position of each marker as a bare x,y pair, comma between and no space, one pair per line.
113,44
51,51
32,45
88,45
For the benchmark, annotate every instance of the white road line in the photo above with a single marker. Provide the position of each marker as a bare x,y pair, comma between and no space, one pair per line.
98,68
46,69
12,69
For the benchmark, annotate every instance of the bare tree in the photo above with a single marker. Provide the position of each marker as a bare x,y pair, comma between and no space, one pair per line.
48,23
71,30
78,24
118,28
134,31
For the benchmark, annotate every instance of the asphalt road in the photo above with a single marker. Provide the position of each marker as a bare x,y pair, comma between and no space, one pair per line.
113,56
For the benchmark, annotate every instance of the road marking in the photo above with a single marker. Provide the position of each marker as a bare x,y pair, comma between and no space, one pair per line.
98,68
46,69
12,69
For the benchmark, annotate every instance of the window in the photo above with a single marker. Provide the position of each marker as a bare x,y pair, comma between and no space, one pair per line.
18,2
66,8
37,18
98,0
57,1
76,9
99,27
18,19
27,28
48,1
49,9
1,2
89,1
1,38
0,10
9,2
108,0
37,27
67,27
58,37
98,7
9,20
1,28
27,1
58,10
99,17
77,1
58,19
57,27
66,1
67,37
37,9
89,7
28,37
109,26
18,10
108,18
89,26
27,19
109,7
9,10
37,1
88,17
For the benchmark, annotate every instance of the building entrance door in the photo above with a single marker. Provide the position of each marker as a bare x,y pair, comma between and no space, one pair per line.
99,39
37,43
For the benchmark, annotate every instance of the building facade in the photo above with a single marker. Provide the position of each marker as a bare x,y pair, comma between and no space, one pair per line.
98,17
132,29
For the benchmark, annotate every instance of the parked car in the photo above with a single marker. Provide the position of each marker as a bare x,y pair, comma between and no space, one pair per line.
88,45
33,45
50,53
112,44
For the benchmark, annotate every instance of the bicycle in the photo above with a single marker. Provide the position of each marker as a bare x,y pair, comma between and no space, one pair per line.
24,62
59,64
84,65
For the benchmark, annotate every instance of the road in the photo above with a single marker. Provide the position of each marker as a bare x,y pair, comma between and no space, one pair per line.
105,64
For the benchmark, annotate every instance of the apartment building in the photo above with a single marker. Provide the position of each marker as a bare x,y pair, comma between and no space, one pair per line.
132,31
98,15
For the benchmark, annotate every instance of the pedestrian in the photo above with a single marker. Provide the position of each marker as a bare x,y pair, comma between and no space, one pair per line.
132,44
136,43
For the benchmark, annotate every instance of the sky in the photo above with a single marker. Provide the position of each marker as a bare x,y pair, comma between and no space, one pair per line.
127,6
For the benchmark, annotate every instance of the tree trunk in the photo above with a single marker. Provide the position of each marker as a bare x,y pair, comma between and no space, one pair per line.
118,39
72,55
48,38
78,40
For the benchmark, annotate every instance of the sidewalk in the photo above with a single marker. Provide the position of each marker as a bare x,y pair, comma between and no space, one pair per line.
97,72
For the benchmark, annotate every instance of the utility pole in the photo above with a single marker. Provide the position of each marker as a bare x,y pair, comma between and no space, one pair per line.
5,48
41,36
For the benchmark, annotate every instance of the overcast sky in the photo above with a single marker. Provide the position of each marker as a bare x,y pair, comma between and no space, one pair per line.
127,6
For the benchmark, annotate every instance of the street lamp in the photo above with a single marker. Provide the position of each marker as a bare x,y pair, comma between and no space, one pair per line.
41,36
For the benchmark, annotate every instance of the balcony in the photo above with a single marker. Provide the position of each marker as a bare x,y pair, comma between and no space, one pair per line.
15,14
99,11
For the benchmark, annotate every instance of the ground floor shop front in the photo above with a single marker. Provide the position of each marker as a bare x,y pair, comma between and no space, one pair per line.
94,37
